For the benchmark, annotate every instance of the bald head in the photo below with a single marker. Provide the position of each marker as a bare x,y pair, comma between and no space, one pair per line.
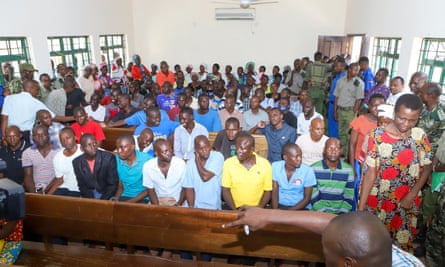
357,238
316,129
417,81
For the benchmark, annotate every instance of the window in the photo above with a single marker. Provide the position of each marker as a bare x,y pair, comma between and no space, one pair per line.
13,50
73,51
111,46
385,54
431,61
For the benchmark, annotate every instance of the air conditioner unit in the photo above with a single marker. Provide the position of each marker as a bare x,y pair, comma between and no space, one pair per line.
234,13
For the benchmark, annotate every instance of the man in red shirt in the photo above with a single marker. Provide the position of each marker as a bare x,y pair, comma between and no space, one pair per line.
165,75
83,126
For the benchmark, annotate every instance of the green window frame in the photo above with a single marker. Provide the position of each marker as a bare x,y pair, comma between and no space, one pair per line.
432,59
385,54
74,51
15,51
110,45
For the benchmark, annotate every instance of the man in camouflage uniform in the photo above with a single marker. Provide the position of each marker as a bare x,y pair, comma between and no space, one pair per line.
316,77
432,120
15,86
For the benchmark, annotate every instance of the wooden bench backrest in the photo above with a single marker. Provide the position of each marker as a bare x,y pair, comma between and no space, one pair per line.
166,227
111,134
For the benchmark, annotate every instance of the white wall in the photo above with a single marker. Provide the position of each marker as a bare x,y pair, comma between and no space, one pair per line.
409,19
39,19
186,32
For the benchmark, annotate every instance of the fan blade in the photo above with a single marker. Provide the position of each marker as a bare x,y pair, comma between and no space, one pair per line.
263,2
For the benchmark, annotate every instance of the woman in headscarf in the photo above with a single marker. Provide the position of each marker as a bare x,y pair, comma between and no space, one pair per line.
139,71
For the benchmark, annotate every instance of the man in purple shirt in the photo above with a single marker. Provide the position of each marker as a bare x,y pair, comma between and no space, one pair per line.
380,87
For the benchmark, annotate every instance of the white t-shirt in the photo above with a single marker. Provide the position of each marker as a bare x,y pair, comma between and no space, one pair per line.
98,115
312,151
303,124
63,167
392,99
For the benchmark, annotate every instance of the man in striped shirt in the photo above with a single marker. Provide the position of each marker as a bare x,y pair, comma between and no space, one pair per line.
334,192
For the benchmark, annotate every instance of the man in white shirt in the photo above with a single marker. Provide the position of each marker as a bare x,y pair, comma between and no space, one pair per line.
312,143
305,117
397,90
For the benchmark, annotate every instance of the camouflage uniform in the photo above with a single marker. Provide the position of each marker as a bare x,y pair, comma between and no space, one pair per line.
435,238
317,74
15,86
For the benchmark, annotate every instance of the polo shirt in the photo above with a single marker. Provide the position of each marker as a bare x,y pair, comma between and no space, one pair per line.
184,144
43,168
63,168
13,159
161,78
334,192
291,192
277,139
210,120
90,127
131,176
207,194
247,186
21,110
170,186
163,130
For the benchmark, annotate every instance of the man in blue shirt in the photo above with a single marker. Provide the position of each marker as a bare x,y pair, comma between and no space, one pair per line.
160,130
366,73
278,133
292,180
339,72
129,163
209,118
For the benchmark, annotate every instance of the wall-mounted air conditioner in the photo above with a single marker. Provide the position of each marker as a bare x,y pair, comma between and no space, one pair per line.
234,13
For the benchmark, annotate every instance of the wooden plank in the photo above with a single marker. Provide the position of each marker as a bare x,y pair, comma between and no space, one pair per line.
111,134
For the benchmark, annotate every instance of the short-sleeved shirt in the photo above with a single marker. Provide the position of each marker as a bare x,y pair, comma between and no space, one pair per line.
13,159
250,120
131,176
140,118
163,130
368,79
184,144
167,102
312,151
121,115
247,186
224,115
334,192
169,186
291,192
98,114
348,91
207,194
63,168
277,139
304,124
43,168
90,127
433,123
363,127
161,78
224,145
75,99
210,120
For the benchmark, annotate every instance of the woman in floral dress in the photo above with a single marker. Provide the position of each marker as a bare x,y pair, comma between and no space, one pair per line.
398,164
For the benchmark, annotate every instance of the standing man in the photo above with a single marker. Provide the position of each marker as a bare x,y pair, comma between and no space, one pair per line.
366,73
17,85
294,79
339,72
278,133
246,178
334,192
292,181
380,86
316,77
348,93
417,81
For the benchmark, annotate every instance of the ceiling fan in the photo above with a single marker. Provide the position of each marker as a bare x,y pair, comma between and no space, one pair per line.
244,3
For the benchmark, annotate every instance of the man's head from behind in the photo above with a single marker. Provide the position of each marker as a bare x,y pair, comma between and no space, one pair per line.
356,239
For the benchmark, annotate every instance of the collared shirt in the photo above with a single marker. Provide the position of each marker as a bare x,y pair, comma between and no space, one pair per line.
348,91
184,144
131,176
297,81
247,186
433,122
334,84
392,98
368,78
21,110
56,101
13,159
207,194
43,168
402,258
63,168
277,139
303,123
169,186
334,192
291,191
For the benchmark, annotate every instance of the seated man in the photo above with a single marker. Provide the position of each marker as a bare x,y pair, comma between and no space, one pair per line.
54,128
312,144
145,142
246,178
153,121
288,116
65,182
83,126
305,117
292,181
129,169
209,118
278,133
186,133
37,161
164,175
334,192
255,118
11,153
173,114
95,111
229,111
225,139
125,108
95,170
112,108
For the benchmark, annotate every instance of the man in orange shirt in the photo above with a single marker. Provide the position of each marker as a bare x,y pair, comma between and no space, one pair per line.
165,75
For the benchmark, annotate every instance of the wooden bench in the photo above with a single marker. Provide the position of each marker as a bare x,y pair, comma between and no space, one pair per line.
167,227
111,134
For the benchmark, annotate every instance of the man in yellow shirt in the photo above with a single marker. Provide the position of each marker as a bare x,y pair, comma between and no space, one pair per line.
246,177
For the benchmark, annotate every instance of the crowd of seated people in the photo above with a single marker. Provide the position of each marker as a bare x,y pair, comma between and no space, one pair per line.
339,139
